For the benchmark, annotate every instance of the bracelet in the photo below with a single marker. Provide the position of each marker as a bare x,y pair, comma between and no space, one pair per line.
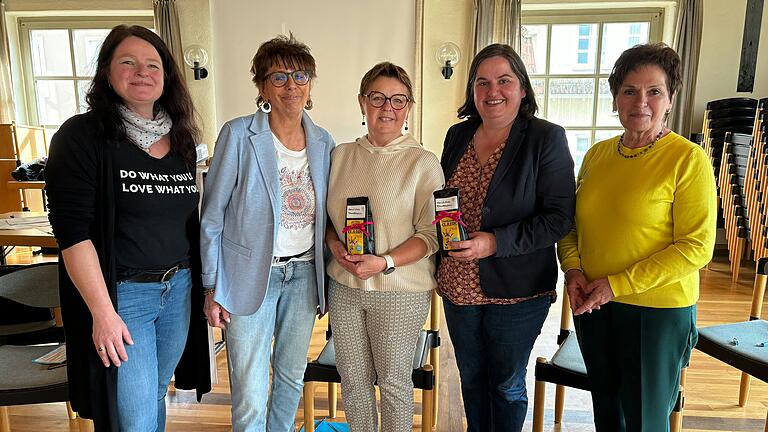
209,291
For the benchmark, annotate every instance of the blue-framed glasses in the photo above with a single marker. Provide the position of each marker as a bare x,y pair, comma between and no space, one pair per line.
280,78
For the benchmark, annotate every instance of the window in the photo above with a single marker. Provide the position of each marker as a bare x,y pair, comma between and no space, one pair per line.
569,58
59,59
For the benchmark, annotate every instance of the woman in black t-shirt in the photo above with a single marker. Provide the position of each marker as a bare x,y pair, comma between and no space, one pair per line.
123,207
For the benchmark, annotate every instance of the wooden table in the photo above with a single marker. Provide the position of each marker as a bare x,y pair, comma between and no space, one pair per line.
41,237
26,184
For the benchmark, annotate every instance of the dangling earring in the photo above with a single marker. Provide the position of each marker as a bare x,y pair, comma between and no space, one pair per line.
265,107
406,124
363,119
309,104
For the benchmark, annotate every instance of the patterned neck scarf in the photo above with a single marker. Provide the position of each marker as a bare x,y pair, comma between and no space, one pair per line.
143,132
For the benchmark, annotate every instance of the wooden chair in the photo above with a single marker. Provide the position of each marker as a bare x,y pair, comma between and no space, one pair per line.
425,373
18,144
23,382
745,352
567,369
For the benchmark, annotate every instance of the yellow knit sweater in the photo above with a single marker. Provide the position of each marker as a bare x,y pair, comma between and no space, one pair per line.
399,180
647,223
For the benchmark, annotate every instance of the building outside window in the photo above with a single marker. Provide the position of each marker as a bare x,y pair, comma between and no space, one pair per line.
569,57
59,60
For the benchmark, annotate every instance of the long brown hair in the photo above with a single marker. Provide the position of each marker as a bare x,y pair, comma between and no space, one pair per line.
175,100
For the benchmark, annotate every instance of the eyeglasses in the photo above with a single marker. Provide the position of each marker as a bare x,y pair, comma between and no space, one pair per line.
280,78
378,99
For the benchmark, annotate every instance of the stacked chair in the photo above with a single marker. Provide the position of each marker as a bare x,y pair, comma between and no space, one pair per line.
425,373
742,344
737,149
728,140
756,183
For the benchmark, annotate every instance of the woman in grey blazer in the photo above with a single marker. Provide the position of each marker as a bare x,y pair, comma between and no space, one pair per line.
261,240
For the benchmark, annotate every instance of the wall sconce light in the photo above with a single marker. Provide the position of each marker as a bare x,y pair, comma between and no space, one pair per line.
448,55
196,58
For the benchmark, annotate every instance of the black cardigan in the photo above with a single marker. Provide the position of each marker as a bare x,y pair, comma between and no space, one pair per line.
529,205
81,196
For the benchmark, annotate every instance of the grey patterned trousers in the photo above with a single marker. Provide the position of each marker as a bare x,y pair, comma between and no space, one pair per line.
374,335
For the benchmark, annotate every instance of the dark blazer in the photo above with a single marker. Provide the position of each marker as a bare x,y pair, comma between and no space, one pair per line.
81,196
529,206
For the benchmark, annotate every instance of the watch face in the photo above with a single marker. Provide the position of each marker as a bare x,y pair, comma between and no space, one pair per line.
389,270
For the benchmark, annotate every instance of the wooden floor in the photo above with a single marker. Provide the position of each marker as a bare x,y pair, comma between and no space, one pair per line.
711,395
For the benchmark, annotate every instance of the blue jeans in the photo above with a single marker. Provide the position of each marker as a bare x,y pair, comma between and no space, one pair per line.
492,345
288,315
157,316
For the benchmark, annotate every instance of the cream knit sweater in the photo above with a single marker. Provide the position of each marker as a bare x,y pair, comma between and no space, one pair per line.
399,180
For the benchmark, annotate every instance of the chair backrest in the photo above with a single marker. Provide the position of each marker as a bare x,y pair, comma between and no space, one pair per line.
566,318
33,285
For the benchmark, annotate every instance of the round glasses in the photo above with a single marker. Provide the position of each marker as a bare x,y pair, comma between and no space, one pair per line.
378,99
280,78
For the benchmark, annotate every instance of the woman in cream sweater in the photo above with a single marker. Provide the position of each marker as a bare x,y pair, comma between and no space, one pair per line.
378,302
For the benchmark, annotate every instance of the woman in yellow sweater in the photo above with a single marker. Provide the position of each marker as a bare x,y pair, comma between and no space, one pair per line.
645,225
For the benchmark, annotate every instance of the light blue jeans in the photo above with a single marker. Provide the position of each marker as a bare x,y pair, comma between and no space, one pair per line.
157,316
288,315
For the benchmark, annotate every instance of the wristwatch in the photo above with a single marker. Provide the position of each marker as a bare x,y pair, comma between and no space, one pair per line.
390,264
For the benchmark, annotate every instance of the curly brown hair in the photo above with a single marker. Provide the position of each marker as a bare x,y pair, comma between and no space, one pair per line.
282,50
652,54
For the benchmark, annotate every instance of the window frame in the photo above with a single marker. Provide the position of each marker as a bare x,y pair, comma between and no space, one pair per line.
28,78
654,16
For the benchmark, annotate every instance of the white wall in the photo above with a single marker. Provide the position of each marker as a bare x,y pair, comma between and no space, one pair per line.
444,21
347,37
722,33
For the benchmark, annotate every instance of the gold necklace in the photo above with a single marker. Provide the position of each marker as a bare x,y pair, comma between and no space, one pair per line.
646,150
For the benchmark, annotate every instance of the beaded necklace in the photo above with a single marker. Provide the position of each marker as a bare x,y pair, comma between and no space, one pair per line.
632,156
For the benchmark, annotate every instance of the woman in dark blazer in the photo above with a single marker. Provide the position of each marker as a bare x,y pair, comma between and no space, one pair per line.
515,178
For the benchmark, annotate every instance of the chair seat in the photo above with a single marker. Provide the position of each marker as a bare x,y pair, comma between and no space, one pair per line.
324,368
716,341
25,382
568,356
13,329
427,339
566,367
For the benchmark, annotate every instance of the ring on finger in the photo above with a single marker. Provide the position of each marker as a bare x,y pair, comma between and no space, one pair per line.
100,348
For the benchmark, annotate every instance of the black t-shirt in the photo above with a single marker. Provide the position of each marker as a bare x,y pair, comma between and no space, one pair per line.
155,198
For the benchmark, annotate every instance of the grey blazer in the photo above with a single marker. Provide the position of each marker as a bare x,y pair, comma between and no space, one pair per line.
241,210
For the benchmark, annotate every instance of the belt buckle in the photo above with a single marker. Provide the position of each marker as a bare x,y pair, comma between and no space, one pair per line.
276,260
169,273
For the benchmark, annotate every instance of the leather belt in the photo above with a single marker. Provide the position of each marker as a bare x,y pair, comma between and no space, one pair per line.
146,276
284,259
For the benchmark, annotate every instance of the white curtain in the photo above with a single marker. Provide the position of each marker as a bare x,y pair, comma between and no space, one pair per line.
167,27
7,107
687,43
497,21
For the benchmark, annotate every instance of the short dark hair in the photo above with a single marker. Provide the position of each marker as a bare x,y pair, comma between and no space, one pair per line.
103,101
388,70
282,50
652,54
528,106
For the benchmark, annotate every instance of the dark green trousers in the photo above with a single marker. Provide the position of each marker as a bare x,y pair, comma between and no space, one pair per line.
633,356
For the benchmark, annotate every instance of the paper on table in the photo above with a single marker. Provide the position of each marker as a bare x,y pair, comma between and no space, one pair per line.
25,223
